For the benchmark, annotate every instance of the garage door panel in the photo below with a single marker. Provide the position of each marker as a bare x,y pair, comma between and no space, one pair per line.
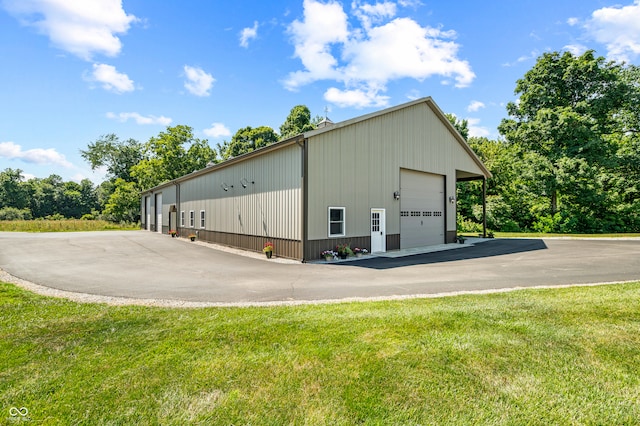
422,209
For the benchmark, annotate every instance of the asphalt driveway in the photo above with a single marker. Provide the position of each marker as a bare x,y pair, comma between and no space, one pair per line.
145,265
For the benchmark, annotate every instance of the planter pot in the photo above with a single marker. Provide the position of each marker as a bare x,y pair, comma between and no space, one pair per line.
358,254
343,255
269,254
328,258
192,238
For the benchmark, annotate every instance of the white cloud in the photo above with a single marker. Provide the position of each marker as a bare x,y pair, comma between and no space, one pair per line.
248,34
217,130
83,28
365,59
355,98
374,13
573,21
575,49
475,130
14,151
140,119
475,106
533,55
618,29
198,82
323,25
402,48
111,79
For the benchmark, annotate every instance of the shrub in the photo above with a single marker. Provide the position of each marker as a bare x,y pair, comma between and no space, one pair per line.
12,213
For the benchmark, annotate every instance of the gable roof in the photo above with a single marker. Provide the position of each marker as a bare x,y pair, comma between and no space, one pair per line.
436,110
335,126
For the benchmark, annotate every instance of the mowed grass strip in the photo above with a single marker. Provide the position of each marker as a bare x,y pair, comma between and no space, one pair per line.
551,235
65,225
564,356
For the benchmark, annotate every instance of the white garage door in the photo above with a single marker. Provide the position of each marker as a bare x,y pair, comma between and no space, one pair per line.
421,209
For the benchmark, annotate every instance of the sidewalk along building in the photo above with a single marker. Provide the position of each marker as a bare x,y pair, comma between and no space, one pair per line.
382,181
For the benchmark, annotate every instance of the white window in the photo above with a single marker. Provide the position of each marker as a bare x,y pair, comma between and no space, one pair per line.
192,218
336,222
182,218
202,219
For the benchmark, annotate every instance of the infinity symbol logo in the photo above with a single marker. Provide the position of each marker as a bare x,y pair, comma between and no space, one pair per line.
15,412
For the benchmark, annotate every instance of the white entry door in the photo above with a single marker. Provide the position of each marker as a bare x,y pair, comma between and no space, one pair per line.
159,213
378,237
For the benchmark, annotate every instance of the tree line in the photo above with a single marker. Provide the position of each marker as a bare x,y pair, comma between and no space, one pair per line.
567,158
132,166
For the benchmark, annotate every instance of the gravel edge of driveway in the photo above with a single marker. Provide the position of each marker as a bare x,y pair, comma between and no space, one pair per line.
168,303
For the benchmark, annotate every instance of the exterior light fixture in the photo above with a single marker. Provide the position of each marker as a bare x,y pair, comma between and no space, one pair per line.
396,195
452,199
244,182
224,186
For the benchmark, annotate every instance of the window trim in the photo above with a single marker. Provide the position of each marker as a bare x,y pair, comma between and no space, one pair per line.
192,219
182,218
343,222
202,219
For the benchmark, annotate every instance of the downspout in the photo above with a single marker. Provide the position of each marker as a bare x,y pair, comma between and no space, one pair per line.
303,144
484,207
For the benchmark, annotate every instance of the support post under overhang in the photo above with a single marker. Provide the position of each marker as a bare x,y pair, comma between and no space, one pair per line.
484,207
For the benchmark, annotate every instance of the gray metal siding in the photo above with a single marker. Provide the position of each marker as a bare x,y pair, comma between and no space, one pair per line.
358,166
268,207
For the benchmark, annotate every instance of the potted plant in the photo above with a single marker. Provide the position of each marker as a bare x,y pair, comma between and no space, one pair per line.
192,237
268,249
360,251
344,250
329,255
461,239
173,233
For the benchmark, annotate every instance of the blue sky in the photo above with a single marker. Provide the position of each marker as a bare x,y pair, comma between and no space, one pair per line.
73,70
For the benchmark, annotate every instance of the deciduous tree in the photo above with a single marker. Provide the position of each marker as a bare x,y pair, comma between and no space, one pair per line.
173,153
298,121
248,139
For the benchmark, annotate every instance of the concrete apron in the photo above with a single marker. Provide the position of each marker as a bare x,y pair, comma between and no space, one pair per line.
392,254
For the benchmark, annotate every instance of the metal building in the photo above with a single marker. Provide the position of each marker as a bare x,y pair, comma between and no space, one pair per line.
382,181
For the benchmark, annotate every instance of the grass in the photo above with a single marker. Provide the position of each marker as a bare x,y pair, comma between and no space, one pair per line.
550,235
563,356
65,225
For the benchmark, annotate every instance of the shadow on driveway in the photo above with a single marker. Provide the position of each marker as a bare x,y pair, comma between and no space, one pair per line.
487,249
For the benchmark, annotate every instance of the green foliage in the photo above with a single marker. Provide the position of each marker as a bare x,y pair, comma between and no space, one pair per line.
13,192
468,225
567,356
116,156
170,155
12,213
571,158
124,202
60,224
298,121
246,140
462,126
40,198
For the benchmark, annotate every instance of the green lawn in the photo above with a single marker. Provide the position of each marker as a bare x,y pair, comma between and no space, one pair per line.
65,225
565,356
540,235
